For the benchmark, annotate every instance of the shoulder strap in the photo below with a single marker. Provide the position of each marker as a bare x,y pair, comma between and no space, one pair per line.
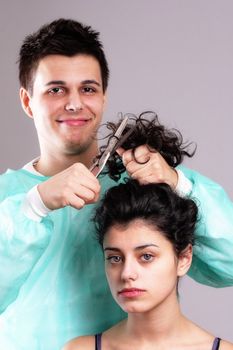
98,341
216,344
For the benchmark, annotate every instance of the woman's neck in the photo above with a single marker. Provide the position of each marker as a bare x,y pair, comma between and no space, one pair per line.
163,326
161,323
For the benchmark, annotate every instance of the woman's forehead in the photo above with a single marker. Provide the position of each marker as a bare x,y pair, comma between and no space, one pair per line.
135,232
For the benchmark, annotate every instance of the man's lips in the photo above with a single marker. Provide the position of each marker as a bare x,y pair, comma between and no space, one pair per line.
131,292
74,121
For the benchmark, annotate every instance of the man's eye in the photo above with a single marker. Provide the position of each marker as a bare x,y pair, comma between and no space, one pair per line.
115,259
88,90
147,257
56,91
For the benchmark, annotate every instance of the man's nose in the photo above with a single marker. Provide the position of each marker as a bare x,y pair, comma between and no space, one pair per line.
74,102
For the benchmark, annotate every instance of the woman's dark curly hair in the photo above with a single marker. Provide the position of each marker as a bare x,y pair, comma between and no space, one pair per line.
147,130
156,204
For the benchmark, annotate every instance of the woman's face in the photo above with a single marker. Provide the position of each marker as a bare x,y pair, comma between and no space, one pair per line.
141,266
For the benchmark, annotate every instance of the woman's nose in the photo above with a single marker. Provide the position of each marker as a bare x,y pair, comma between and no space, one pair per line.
129,271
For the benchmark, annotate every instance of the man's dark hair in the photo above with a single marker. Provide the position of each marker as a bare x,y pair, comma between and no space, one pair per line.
61,37
156,204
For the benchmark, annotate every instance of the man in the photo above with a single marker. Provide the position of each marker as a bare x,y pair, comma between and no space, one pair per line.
52,283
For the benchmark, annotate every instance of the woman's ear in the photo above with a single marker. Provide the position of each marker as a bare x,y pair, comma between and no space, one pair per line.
25,101
185,261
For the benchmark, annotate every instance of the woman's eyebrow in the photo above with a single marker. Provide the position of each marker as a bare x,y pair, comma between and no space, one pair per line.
140,247
112,249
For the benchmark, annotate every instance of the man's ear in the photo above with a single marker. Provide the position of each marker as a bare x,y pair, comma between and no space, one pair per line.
25,101
105,101
185,261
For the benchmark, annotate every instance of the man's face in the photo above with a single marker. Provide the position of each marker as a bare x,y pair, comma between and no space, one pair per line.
66,104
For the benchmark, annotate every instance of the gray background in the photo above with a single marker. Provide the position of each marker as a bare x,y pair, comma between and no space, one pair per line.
172,56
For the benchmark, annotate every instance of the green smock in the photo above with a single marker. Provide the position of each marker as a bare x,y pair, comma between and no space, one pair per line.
52,280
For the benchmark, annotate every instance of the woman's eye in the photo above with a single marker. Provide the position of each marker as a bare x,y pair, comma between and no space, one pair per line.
114,259
147,257
56,91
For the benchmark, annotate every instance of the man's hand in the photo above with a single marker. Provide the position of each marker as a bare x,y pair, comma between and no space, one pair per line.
150,167
75,186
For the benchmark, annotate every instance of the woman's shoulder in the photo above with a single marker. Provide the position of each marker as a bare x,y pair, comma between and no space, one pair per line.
86,342
225,345
202,339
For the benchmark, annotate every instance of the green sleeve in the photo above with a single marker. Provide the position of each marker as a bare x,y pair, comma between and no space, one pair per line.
213,251
22,242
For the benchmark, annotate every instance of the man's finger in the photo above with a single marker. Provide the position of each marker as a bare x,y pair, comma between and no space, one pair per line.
120,151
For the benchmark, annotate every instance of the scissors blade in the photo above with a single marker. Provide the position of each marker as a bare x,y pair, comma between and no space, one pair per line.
99,165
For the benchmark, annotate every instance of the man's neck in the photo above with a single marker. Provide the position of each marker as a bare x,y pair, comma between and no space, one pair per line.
49,165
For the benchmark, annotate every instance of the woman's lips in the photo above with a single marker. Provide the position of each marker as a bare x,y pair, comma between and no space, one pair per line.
131,292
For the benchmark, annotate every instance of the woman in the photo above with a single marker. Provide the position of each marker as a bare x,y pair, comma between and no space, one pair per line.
147,235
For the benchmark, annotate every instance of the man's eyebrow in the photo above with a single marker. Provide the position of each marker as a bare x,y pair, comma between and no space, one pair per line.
55,82
91,81
62,82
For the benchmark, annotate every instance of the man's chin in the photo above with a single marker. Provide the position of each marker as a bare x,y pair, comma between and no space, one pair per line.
78,149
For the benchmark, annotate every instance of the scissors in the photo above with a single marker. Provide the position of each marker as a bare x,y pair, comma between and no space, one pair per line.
113,144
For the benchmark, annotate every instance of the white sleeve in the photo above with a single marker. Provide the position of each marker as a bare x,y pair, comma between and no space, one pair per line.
33,206
184,185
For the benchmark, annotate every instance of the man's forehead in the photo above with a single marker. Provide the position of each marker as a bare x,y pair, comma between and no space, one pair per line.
64,69
80,60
